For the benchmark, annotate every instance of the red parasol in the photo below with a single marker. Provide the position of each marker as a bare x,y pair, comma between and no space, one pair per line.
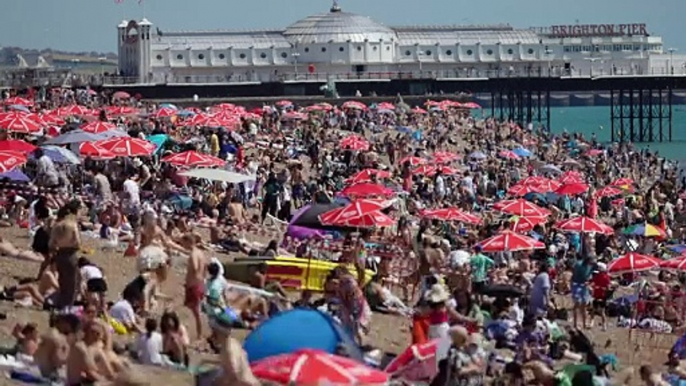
521,190
366,176
98,127
571,177
677,263
450,214
314,367
121,110
416,364
521,207
471,105
354,105
385,106
19,123
585,225
526,224
571,189
509,154
355,209
73,110
354,142
444,157
10,160
18,101
413,161
52,119
193,158
533,180
509,241
164,112
594,152
127,146
608,191
633,262
284,103
418,110
366,190
547,185
90,149
622,182
17,145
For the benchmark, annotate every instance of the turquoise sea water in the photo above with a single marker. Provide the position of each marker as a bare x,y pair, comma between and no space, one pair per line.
588,120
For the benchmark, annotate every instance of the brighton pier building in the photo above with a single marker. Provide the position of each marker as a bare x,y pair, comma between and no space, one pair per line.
343,45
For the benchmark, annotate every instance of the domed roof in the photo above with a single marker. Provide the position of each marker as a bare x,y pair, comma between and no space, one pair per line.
338,27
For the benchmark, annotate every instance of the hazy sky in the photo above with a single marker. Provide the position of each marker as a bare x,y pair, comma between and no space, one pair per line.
85,25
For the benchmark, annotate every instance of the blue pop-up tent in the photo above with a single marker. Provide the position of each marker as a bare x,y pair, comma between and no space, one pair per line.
298,329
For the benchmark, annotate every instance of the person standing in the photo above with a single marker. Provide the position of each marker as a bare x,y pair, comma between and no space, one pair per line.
65,243
540,291
581,295
480,264
195,280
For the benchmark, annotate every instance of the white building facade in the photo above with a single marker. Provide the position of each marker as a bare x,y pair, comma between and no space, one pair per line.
343,45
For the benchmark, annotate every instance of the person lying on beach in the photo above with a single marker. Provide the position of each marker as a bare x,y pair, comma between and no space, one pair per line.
27,337
35,292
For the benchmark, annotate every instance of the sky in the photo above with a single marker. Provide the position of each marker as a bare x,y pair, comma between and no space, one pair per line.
90,25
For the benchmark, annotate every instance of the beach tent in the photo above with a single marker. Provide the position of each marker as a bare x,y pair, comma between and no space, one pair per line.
299,329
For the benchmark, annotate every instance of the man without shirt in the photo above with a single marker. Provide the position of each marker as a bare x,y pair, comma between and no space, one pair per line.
195,275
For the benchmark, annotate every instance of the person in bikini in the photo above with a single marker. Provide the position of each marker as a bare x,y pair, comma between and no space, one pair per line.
195,275
45,288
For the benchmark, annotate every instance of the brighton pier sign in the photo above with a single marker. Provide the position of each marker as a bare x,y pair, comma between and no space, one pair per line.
577,30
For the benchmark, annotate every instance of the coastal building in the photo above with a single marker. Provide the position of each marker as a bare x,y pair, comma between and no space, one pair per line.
342,45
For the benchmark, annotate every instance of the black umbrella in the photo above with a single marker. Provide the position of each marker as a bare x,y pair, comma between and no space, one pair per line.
502,291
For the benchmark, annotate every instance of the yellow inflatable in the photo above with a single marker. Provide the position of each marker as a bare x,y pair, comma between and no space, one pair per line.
292,272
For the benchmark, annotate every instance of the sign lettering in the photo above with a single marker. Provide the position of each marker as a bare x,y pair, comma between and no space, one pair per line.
580,30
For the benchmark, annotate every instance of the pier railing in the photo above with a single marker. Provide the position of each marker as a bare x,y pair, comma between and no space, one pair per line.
10,80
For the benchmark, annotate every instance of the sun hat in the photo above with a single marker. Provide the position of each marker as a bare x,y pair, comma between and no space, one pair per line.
437,294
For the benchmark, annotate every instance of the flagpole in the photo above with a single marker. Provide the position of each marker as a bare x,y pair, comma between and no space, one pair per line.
142,3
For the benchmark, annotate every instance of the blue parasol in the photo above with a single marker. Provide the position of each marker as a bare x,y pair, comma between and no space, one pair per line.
522,152
15,175
478,155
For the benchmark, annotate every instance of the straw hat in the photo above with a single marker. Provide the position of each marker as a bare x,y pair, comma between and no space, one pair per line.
437,294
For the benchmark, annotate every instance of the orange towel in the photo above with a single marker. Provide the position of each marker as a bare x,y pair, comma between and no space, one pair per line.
420,329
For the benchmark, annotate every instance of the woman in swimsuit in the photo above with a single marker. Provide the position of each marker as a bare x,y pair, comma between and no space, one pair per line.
152,257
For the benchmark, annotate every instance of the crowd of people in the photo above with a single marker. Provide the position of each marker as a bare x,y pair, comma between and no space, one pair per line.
500,244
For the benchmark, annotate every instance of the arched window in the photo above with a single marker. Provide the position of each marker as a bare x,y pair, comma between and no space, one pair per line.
222,56
263,55
179,57
242,56
284,55
449,53
201,56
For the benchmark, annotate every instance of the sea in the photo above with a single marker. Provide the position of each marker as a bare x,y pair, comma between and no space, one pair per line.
596,119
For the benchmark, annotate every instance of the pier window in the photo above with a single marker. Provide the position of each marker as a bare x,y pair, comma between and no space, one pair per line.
323,49
222,56
179,57
449,53
637,47
408,53
307,49
263,55
201,56
428,52
489,52
159,57
576,48
242,56
359,48
531,51
284,55
509,51
469,52
617,47
567,49
341,49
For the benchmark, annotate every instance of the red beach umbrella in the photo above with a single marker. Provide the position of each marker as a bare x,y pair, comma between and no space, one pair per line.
416,364
677,263
572,189
510,241
20,124
354,142
18,101
526,224
17,145
128,146
10,160
314,367
73,110
608,191
366,190
450,214
521,190
571,177
632,262
366,175
585,225
98,127
622,182
413,161
521,207
90,149
193,158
